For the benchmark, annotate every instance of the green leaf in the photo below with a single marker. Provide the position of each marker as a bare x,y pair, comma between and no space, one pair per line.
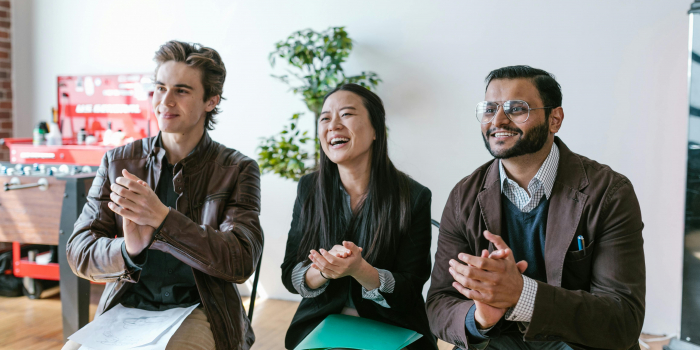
317,59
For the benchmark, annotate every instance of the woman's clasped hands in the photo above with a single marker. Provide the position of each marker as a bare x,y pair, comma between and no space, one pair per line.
342,260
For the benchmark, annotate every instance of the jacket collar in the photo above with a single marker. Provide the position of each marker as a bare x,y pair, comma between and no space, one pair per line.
192,161
571,173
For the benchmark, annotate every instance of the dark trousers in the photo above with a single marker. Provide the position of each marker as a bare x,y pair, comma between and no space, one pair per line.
511,342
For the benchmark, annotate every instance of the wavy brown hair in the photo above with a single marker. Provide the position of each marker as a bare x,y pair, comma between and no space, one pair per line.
209,63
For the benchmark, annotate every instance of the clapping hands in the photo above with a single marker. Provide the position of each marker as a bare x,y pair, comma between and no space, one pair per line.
140,209
494,281
342,260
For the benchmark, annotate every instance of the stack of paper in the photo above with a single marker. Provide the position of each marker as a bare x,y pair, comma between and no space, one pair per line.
128,328
348,332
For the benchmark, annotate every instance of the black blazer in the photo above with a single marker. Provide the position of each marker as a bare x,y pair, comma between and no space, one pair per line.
410,267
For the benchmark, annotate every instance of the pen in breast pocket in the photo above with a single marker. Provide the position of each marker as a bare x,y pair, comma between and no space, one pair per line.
582,244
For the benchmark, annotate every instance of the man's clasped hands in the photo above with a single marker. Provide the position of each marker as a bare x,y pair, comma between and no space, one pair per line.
494,281
140,208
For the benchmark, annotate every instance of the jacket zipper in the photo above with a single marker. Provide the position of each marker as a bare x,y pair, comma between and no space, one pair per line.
212,197
110,275
176,247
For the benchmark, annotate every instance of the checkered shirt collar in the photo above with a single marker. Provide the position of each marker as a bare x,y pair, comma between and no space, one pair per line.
546,175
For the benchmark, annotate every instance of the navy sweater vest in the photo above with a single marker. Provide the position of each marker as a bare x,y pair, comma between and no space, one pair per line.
525,234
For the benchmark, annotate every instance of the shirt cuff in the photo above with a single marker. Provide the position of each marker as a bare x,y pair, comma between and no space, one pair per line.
387,283
473,330
522,312
299,282
135,264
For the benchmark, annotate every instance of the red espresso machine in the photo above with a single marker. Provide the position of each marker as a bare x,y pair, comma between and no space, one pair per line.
46,183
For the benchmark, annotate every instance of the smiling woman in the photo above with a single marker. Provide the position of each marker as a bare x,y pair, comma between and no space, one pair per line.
360,237
346,133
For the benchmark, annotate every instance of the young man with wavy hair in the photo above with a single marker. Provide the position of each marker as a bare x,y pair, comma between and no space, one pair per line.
184,210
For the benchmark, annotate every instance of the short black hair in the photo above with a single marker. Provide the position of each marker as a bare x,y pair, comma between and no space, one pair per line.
546,84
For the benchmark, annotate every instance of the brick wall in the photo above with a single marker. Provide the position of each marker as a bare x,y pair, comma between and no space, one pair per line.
5,76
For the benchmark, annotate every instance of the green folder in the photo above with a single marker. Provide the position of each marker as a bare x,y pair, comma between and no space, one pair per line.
349,332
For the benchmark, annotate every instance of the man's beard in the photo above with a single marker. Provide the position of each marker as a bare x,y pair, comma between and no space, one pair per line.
531,143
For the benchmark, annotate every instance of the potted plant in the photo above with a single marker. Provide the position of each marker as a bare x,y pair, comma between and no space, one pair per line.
315,60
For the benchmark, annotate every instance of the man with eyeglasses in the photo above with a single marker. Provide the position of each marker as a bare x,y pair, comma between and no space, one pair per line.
540,248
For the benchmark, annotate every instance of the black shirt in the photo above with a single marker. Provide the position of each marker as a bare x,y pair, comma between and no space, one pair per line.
165,281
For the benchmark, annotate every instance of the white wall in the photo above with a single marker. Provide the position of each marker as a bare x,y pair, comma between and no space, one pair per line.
622,66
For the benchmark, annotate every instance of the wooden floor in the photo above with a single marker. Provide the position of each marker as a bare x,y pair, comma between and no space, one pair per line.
36,324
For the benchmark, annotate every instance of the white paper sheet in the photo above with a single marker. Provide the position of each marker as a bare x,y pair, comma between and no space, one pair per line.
127,328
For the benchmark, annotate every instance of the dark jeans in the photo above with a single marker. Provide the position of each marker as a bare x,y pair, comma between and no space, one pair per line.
510,342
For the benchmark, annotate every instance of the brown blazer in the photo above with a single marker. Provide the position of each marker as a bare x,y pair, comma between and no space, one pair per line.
214,229
591,301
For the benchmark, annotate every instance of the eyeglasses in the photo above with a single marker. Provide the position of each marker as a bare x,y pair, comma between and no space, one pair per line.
517,111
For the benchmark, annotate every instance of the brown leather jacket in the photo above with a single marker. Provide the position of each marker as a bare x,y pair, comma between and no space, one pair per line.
594,298
214,229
